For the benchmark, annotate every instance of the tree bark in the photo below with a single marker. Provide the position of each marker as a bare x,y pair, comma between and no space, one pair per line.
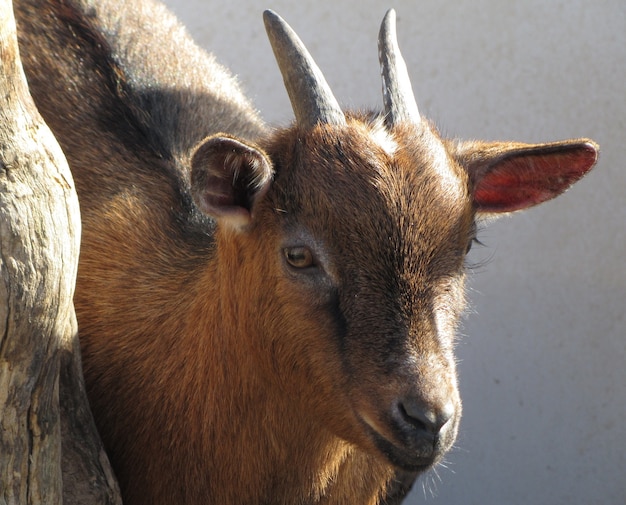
50,452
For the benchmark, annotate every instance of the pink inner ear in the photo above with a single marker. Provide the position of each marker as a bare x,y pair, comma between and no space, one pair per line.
523,179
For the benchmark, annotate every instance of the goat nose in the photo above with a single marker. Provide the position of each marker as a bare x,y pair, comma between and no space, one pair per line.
427,418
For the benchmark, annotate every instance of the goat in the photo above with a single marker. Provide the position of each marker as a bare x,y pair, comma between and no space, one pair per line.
266,316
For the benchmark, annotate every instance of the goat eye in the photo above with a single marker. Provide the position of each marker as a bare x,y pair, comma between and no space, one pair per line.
473,238
472,242
299,257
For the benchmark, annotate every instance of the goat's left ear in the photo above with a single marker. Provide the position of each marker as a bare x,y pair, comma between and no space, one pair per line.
506,177
227,177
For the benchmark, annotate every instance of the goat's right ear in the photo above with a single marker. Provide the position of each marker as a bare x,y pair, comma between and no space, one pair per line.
227,177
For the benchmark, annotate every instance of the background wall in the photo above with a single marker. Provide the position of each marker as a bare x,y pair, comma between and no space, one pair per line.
543,360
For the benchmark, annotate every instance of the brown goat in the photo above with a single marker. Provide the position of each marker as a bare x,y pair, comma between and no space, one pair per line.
265,317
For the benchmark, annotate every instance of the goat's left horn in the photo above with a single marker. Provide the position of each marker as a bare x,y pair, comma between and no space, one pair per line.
311,98
398,98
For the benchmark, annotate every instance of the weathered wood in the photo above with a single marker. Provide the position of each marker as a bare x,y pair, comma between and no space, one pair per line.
50,453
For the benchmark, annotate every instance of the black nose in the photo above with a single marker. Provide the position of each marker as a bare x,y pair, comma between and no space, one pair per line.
425,417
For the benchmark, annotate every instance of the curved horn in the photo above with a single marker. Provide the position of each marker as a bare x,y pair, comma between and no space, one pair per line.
398,97
311,98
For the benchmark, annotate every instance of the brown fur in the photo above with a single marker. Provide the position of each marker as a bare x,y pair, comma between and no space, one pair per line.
217,372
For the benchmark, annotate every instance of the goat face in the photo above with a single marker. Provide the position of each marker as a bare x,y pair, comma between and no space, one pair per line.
360,242
373,238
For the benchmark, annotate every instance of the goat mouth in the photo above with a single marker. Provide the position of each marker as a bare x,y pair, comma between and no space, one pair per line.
415,457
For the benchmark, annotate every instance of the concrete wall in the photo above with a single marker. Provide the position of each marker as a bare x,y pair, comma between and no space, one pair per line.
543,360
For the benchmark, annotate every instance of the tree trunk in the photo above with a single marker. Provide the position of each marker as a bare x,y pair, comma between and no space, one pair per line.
50,452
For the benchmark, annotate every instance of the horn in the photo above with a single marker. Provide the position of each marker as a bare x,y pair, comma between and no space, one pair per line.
311,98
398,98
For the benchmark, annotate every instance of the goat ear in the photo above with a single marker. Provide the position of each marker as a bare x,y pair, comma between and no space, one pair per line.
227,177
506,177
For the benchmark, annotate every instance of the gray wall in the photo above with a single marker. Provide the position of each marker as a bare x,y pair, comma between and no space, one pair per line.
543,359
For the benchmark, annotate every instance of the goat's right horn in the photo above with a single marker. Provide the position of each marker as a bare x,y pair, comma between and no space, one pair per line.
311,98
398,98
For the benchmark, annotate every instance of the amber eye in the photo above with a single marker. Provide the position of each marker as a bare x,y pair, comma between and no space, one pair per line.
299,257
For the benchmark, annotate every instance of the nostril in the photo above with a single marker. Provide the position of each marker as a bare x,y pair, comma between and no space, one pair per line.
431,419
